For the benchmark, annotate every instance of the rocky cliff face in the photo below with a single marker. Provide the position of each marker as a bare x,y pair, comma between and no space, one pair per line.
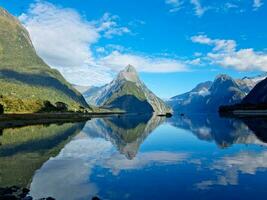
129,93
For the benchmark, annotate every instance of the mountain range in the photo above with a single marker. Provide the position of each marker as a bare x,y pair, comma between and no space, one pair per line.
209,96
128,93
29,85
254,103
27,82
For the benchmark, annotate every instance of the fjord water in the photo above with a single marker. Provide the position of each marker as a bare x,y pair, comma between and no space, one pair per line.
138,157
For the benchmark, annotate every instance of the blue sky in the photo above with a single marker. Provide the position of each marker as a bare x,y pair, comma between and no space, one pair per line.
174,44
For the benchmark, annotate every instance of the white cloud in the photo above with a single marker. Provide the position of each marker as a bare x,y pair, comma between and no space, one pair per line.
109,26
199,9
174,4
257,4
118,163
117,60
219,45
60,35
64,40
230,5
225,53
229,168
243,60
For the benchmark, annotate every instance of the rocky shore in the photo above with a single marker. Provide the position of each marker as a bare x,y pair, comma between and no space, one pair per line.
18,193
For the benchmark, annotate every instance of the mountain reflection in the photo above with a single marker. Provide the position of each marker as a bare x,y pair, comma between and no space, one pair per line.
223,131
23,150
126,132
105,159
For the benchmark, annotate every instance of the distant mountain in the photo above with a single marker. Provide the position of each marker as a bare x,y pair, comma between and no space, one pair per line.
81,88
188,98
92,93
209,96
127,92
248,83
258,95
26,81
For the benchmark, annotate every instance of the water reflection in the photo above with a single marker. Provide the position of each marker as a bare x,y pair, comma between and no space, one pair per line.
223,131
23,150
70,171
141,157
126,133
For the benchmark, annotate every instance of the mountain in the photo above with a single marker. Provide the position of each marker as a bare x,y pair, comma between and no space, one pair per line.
127,92
26,81
258,95
187,98
209,96
248,83
92,93
81,88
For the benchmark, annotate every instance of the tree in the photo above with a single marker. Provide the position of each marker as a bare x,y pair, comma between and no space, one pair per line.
62,107
1,109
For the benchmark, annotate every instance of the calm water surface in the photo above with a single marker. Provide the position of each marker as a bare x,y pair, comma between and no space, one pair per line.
138,157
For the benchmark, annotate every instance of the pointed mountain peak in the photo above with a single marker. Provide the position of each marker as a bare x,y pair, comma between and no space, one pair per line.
223,77
130,68
129,73
6,14
3,11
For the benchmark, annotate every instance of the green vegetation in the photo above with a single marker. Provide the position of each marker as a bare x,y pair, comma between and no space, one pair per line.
128,88
25,79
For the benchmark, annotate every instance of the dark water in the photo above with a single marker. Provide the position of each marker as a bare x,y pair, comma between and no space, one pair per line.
138,157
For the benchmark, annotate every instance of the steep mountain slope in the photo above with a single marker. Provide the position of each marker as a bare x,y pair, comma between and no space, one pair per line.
81,88
201,90
224,90
209,96
127,92
248,83
92,93
258,95
25,80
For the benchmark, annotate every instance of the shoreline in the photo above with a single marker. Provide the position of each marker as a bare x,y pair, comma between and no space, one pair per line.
245,113
10,120
24,119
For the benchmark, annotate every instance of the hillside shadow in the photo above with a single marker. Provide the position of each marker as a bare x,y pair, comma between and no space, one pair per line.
42,81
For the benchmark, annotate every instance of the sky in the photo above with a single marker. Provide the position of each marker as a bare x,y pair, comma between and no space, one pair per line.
173,44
